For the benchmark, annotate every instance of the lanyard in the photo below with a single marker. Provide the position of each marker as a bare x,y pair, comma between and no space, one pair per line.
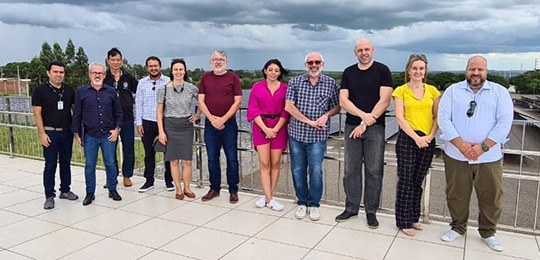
60,94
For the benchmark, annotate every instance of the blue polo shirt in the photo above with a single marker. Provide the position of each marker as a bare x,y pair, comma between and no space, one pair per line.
98,111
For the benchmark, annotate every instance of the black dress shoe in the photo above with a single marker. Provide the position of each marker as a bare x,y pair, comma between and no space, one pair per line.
88,199
345,216
372,221
114,195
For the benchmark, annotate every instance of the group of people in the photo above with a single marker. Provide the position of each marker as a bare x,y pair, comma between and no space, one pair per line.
474,117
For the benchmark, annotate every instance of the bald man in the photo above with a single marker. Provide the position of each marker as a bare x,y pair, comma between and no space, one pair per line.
475,117
366,88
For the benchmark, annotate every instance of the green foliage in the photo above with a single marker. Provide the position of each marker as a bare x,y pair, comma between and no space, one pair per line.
527,83
443,79
398,79
499,79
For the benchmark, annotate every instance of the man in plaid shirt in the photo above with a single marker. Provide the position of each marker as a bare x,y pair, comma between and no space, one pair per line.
311,100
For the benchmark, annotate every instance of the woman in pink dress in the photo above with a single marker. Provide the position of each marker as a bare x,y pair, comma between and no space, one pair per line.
266,111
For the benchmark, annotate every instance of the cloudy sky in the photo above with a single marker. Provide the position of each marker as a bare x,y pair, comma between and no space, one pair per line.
448,32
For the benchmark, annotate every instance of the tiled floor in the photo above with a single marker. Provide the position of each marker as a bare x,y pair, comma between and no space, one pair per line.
153,225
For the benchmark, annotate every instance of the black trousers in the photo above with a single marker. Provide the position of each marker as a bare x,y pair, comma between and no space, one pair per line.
150,132
413,164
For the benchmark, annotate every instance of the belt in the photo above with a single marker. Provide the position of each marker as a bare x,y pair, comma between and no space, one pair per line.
59,129
270,116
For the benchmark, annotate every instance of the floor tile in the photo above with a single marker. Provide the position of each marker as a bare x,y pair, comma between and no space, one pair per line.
162,255
516,245
13,175
261,249
110,249
194,213
12,256
404,248
34,207
72,214
476,255
7,217
25,182
153,205
355,243
7,189
287,231
190,244
251,223
16,197
111,222
56,244
25,230
127,198
154,233
387,224
432,233
319,255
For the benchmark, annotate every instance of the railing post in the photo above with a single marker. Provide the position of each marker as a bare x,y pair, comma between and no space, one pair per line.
427,190
198,139
11,135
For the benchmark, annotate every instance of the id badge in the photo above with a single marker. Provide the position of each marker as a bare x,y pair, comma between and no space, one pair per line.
60,105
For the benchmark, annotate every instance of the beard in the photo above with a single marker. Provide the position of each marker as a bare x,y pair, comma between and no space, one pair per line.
476,81
314,73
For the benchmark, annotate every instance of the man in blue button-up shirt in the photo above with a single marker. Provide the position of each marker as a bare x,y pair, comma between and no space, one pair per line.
97,117
475,117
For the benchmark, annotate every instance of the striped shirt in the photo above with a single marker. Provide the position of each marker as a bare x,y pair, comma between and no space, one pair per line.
313,102
145,99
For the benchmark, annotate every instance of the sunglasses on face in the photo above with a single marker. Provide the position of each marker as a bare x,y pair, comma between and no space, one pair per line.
472,107
311,62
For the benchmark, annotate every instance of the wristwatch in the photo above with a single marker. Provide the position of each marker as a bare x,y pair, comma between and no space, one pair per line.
484,146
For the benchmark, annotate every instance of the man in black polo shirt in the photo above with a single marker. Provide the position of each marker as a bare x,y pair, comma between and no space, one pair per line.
51,104
97,117
126,87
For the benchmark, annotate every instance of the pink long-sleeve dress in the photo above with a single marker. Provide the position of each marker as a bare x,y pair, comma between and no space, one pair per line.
271,108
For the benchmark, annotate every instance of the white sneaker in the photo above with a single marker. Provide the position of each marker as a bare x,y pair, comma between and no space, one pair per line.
450,236
261,202
300,212
493,243
314,213
275,205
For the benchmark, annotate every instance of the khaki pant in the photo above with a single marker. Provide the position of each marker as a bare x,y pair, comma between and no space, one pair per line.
487,181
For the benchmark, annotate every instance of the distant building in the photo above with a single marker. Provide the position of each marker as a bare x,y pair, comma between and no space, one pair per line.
10,86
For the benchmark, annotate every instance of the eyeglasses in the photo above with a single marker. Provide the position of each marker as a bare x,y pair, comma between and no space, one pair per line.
97,73
218,59
472,107
311,62
418,56
154,87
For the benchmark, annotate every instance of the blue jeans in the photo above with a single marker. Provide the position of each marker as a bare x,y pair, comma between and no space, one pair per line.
59,151
306,161
91,147
369,149
127,136
228,139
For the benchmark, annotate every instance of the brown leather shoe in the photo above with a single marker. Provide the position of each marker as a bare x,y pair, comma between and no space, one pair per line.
127,182
190,194
233,198
179,196
210,195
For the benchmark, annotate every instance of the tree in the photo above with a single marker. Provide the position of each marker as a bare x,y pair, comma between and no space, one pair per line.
58,54
498,79
46,55
398,79
527,83
79,70
70,53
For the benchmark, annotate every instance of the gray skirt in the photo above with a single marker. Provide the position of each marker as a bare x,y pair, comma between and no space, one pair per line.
179,133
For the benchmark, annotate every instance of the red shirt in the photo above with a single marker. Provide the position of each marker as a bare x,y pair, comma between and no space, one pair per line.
219,91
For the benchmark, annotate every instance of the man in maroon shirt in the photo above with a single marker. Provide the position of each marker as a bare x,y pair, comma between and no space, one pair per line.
220,95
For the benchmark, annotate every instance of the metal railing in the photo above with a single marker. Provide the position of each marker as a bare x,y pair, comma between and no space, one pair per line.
18,137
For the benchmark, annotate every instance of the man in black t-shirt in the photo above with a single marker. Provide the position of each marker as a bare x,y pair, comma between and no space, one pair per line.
366,88
126,87
52,103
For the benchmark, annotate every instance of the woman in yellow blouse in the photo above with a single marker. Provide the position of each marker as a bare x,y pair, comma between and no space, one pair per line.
416,105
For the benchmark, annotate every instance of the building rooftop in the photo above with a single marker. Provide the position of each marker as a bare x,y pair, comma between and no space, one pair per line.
154,225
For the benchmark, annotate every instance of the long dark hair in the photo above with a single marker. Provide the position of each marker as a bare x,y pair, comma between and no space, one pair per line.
175,61
281,69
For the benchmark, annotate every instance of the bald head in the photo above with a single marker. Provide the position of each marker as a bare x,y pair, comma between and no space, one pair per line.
476,72
363,50
477,60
